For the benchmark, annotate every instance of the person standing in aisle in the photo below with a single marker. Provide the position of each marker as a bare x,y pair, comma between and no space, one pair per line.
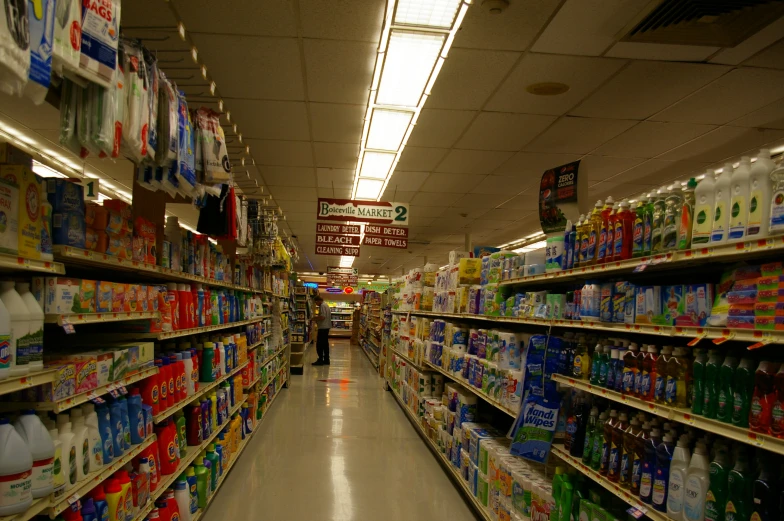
324,322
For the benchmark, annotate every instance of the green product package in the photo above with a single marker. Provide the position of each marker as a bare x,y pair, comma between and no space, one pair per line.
482,489
586,510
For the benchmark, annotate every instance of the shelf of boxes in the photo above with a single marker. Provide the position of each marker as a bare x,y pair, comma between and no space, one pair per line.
18,383
408,360
97,318
478,392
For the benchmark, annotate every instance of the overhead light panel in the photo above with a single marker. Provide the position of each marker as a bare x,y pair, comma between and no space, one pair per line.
387,129
376,165
369,188
410,59
435,13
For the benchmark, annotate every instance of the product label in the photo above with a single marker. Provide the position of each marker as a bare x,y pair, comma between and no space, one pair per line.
675,492
656,232
701,231
693,499
628,380
723,403
731,512
636,472
719,232
713,510
602,243
577,367
777,210
777,413
645,383
637,236
755,213
16,488
624,477
5,351
658,388
42,472
647,232
671,391
638,382
590,251
72,472
614,464
85,457
618,239
646,483
100,32
738,216
670,230
659,493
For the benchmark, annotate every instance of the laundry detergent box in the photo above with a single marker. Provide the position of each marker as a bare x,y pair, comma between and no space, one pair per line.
118,297
85,369
69,229
103,366
671,300
695,307
120,361
65,196
647,304
9,217
84,299
29,210
104,292
63,384
59,294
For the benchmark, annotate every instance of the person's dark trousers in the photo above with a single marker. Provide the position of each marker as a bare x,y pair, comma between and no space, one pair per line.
322,345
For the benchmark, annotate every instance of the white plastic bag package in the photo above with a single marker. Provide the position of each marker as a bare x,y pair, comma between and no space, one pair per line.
168,105
100,37
84,110
67,36
152,101
103,119
69,101
186,174
137,113
112,116
217,168
14,46
41,18
198,158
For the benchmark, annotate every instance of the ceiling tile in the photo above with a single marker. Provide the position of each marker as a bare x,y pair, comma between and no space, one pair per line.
451,183
769,116
472,161
582,74
587,27
392,194
336,155
262,119
651,138
483,202
143,13
288,176
426,211
524,201
533,165
502,185
733,95
407,181
339,71
420,159
772,57
439,128
503,131
337,123
256,18
723,143
578,135
644,88
281,153
468,214
335,193
337,177
295,205
655,173
599,168
235,79
661,51
433,199
300,212
468,77
514,30
342,19
761,43
499,215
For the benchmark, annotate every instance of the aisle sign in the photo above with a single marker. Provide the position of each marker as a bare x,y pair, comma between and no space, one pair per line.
344,229
376,212
339,270
385,242
332,238
348,251
558,196
342,280
386,231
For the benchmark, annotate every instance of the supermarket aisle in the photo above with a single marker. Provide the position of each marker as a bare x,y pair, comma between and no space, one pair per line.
337,451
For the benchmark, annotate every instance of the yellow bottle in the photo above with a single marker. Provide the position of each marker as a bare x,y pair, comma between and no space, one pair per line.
580,241
678,388
114,500
594,229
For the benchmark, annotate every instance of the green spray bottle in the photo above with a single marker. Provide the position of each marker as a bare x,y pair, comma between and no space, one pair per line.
743,390
687,215
716,498
726,395
638,230
647,224
590,432
740,483
598,438
563,492
202,484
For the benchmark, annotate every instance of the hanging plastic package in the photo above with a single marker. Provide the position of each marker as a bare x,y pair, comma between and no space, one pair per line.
102,125
534,428
186,174
152,100
137,113
168,106
217,168
69,100
100,36
67,36
198,157
14,47
118,114
170,181
41,17
84,110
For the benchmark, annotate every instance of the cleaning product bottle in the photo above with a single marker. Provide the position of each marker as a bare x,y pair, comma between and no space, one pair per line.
115,499
726,379
16,465
723,200
627,455
697,483
638,457
105,430
698,378
590,432
582,360
740,481
662,374
81,442
607,430
594,225
212,456
183,498
190,476
20,327
764,504
69,454
58,471
672,219
678,391
661,473
127,493
716,497
760,189
598,438
40,445
616,448
72,513
622,233
88,510
34,342
742,392
776,221
638,230
739,200
648,374
704,205
657,224
647,223
207,367
202,483
126,422
99,501
649,466
687,215
612,369
712,384
93,436
679,469
136,417
601,255
629,369
597,361
763,398
777,412
612,217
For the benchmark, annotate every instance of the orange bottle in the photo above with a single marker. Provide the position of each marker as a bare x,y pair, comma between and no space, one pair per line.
648,379
616,448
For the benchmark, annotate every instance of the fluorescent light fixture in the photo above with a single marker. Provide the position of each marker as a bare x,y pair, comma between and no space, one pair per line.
346,262
435,13
410,60
387,128
369,188
376,165
44,171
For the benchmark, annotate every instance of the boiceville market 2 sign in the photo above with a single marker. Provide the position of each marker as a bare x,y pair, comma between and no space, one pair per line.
374,212
344,239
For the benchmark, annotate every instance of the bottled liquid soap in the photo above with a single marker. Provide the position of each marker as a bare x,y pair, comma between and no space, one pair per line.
598,437
763,398
739,200
638,230
776,220
648,374
704,205
627,456
697,483
604,231
34,342
616,448
661,474
639,457
712,384
740,483
742,392
678,390
726,380
622,232
36,436
590,432
20,327
687,215
777,416
679,469
607,432
721,212
68,454
765,503
649,466
660,385
716,497
629,369
760,190
657,225
16,464
672,219
581,367
698,384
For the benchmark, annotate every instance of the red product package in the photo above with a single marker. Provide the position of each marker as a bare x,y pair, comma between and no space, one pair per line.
153,458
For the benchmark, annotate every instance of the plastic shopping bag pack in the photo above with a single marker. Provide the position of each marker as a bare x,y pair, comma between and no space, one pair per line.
41,16
137,113
217,168
535,426
14,47
70,100
67,36
186,174
100,38
152,99
168,106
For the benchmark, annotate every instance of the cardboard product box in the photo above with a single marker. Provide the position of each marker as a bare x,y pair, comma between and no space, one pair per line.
63,384
118,297
38,289
10,155
96,216
103,367
65,196
85,372
29,211
9,217
69,229
469,271
647,304
120,361
120,245
59,294
84,299
131,301
671,301
146,353
695,305
104,292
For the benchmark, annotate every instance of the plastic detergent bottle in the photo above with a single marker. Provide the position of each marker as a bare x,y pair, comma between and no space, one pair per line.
612,369
127,492
597,362
726,379
648,374
777,414
757,224
697,483
629,369
661,473
622,232
716,497
764,504
598,437
687,215
638,230
742,392
704,204
35,338
590,432
776,221
82,443
607,430
582,360
763,398
662,374
649,466
639,457
721,212
657,223
698,381
740,481
616,448
20,327
712,370
612,217
672,219
38,441
115,499
627,455
58,476
677,388
101,505
739,200
68,454
593,228
604,229
647,223
679,469
16,464
173,235
183,498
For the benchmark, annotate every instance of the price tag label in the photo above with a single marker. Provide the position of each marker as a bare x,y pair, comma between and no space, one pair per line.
696,340
637,513
69,329
640,268
756,440
689,419
765,340
73,498
122,390
97,400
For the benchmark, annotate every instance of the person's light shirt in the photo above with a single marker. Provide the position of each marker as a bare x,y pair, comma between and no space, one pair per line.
324,320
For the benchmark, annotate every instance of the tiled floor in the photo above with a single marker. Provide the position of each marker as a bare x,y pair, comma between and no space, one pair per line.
337,451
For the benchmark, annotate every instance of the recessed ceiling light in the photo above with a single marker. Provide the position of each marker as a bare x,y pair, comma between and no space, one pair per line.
547,88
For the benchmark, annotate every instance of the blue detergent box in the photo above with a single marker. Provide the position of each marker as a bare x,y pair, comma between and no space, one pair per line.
68,229
65,196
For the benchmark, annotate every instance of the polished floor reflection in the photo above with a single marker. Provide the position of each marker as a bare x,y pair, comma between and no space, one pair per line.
340,450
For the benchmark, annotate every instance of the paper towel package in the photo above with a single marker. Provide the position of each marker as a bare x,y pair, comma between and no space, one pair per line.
455,256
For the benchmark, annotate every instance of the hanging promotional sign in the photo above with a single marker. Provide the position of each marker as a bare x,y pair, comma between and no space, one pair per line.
385,242
342,280
331,238
558,197
375,212
348,251
343,229
339,270
386,231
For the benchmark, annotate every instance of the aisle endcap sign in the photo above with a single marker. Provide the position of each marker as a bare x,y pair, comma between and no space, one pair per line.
337,249
374,212
345,229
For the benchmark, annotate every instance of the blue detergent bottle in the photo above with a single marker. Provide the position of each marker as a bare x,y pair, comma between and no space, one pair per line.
649,466
105,429
661,475
126,422
117,428
136,417
88,511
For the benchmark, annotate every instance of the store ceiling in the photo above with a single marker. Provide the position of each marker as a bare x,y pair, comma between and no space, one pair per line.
295,75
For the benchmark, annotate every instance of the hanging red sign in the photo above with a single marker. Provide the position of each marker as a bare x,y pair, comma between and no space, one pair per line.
378,212
343,229
348,251
385,242
386,231
331,238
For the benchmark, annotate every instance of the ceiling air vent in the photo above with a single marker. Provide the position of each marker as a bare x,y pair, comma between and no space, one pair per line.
718,23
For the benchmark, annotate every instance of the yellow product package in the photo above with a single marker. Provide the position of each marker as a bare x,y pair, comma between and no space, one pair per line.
469,271
29,221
